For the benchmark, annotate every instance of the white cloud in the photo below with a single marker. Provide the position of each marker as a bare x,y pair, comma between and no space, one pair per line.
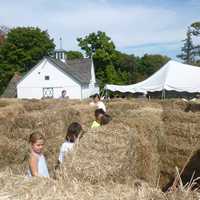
127,25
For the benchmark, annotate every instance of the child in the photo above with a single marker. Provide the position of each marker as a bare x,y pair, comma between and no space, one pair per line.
105,119
73,132
99,113
37,163
98,102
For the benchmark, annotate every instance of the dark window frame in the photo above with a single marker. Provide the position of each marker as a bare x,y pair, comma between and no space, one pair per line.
47,78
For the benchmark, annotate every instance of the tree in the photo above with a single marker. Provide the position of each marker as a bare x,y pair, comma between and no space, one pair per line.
126,66
25,46
195,28
74,55
196,33
111,75
2,39
21,50
3,32
100,47
112,66
187,54
94,41
6,73
149,64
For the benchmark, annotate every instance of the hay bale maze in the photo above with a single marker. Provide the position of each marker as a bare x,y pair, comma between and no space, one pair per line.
133,157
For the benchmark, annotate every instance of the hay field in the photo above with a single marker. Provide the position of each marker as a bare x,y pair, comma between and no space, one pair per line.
133,157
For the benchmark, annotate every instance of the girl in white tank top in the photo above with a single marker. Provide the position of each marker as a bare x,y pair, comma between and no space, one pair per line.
37,162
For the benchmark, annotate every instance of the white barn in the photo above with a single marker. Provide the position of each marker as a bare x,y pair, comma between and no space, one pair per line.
53,75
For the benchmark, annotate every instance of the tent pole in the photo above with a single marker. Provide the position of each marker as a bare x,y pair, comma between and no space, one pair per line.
106,95
163,94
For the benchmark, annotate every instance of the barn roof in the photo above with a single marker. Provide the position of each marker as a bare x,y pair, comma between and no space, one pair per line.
79,69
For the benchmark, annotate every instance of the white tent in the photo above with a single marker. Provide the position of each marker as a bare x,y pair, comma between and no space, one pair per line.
172,76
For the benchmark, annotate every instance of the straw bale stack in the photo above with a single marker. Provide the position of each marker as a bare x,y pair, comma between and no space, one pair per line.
179,143
19,119
14,187
145,140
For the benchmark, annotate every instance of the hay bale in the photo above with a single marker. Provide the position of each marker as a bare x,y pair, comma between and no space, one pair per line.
48,189
193,107
180,141
34,104
101,154
145,140
18,122
119,152
40,188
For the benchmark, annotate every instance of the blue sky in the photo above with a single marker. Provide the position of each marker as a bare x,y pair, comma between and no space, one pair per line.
135,26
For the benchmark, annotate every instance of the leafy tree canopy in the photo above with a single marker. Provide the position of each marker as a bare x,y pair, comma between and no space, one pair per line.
74,55
114,67
149,64
25,46
94,41
21,50
101,48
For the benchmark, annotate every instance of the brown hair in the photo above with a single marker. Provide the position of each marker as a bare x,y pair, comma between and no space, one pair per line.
35,136
73,131
98,112
96,95
105,119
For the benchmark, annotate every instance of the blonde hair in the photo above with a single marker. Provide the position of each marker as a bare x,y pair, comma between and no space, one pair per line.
35,136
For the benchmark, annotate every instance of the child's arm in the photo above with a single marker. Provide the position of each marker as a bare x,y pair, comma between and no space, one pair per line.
33,164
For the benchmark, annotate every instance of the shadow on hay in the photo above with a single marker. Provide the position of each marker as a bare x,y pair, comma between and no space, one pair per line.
191,172
179,143
193,107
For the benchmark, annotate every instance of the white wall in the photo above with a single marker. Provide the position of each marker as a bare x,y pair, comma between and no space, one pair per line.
88,91
32,85
91,89
93,78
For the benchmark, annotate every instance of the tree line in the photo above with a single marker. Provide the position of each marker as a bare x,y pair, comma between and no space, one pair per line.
22,48
190,52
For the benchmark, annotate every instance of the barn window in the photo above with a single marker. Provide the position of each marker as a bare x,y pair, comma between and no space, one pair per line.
46,78
61,56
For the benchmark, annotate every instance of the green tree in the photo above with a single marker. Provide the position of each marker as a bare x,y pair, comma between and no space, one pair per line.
112,66
22,49
94,41
112,75
6,73
149,64
100,47
126,66
74,55
187,54
25,46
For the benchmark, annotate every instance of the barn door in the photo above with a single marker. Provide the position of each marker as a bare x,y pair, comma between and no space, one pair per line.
47,92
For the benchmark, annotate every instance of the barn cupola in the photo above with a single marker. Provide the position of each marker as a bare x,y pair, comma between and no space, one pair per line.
60,53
